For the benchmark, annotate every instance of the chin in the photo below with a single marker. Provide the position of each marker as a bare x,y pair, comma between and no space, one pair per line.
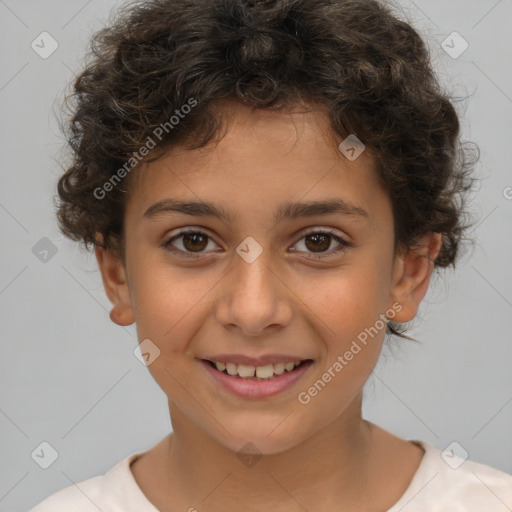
261,438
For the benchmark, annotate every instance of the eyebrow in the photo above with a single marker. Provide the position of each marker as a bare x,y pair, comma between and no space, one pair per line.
288,210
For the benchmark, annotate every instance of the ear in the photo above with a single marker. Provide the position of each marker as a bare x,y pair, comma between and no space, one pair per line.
113,274
411,275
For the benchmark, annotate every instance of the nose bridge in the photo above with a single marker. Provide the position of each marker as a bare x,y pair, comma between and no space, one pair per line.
253,298
254,277
253,280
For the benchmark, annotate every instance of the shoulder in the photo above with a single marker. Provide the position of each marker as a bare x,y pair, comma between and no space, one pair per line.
476,484
102,492
445,481
83,496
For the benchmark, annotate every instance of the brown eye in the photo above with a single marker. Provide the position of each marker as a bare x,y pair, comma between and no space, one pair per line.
317,244
191,241
194,242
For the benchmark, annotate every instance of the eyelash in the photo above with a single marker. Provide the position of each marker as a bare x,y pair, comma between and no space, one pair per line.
343,243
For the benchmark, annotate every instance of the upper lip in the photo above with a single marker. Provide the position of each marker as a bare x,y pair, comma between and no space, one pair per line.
255,361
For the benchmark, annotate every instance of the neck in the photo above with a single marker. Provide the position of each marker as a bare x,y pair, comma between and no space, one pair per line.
333,463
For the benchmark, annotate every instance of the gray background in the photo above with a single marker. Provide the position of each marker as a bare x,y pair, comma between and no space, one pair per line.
68,374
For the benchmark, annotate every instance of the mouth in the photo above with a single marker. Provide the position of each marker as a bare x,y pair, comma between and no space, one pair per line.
256,382
256,373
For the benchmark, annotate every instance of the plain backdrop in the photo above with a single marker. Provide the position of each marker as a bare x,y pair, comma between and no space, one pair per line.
69,376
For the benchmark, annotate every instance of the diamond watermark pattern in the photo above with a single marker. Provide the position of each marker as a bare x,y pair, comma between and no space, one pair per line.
249,249
146,352
351,147
249,455
44,45
45,455
454,455
454,45
44,249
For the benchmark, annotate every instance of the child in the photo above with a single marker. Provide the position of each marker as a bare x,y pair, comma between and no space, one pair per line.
306,150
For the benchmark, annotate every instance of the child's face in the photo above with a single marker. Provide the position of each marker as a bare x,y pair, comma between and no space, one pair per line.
283,302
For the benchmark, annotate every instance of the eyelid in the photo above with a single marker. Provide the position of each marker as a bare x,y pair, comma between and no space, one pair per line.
341,239
320,229
190,229
184,231
333,233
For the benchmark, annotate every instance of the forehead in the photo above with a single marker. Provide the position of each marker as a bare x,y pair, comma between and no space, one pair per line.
263,157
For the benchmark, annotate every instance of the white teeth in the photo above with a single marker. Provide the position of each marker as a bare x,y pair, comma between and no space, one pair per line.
278,368
246,371
261,372
231,368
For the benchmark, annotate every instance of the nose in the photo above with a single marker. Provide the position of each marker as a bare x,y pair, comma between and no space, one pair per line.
254,299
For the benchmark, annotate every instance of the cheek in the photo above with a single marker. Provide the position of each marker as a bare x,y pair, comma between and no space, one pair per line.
348,301
165,301
347,316
166,312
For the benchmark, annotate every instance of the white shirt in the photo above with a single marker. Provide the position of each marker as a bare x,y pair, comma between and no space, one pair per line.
435,487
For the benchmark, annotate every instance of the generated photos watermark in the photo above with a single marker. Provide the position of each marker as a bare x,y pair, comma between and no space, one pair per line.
304,397
137,156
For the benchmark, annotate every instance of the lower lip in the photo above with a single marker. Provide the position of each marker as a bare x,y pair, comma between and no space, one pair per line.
257,388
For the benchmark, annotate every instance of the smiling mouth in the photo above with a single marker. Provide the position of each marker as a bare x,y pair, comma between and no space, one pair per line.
256,373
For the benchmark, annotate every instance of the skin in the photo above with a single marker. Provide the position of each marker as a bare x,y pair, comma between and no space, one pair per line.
315,456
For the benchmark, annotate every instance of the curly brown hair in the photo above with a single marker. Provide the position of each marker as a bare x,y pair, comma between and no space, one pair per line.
369,70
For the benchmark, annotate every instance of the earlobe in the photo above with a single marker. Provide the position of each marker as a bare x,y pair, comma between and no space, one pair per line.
412,274
115,283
